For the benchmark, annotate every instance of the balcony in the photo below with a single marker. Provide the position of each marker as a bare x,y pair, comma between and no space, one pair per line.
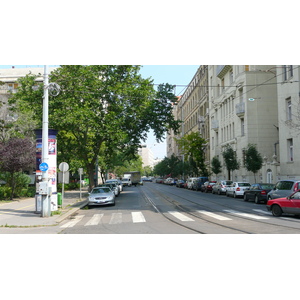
240,109
215,125
222,70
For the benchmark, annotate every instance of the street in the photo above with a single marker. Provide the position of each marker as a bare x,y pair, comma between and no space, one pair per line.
156,208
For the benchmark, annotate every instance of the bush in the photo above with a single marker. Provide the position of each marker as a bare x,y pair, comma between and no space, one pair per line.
68,186
5,192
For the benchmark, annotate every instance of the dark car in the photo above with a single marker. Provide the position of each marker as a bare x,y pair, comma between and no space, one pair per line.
207,186
258,192
180,183
284,188
197,184
289,205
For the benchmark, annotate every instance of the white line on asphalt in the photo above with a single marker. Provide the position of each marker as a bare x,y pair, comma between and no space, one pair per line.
262,211
94,220
246,215
72,222
137,217
210,214
116,218
180,216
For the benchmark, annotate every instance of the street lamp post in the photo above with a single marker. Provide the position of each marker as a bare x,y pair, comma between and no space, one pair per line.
45,197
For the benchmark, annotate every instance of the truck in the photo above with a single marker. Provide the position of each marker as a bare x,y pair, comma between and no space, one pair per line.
134,176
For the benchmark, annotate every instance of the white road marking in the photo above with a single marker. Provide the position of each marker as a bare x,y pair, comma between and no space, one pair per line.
263,211
94,220
210,214
246,215
116,218
137,217
180,216
72,222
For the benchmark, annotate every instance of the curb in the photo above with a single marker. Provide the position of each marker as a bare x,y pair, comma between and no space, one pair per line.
70,212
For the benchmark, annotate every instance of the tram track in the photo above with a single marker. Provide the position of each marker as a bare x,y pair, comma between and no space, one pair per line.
185,209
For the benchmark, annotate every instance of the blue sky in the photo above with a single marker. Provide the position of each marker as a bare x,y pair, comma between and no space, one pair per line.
173,74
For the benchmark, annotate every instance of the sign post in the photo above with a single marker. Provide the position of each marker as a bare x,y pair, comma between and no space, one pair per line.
80,171
63,167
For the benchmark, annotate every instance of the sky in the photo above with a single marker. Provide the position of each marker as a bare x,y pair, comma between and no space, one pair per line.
173,74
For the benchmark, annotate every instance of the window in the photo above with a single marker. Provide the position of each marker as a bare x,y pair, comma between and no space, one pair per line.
242,127
288,109
290,150
287,72
246,67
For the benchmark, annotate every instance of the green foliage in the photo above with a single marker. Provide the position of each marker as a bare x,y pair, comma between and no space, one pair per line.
193,146
230,160
101,111
253,159
216,166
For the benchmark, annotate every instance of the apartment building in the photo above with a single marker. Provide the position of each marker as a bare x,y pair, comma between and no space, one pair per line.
243,110
146,155
238,105
288,148
192,109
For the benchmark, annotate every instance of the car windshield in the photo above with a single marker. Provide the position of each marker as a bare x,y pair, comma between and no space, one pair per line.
125,179
101,190
227,182
244,184
267,186
284,185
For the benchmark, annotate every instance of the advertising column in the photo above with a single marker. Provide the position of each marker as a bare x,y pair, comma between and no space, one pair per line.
52,170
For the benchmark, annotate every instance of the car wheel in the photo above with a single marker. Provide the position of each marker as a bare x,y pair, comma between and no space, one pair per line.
276,210
256,200
245,198
219,192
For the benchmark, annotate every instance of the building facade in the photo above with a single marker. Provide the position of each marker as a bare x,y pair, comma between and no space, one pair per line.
238,105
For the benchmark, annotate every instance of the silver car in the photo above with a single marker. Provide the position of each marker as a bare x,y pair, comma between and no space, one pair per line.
284,188
101,196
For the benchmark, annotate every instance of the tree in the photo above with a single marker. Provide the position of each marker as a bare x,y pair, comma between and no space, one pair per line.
16,155
193,145
100,111
253,159
230,160
216,166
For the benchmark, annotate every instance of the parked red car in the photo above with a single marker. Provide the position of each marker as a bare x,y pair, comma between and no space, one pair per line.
289,205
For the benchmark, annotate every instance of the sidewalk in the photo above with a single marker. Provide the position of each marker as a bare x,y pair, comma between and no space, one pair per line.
21,213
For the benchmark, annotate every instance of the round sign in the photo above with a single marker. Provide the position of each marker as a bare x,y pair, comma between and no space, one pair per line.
43,167
64,167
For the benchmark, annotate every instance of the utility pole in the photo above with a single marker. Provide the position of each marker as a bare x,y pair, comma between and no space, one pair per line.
45,151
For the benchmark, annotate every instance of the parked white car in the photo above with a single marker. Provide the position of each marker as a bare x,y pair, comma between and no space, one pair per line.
236,189
190,182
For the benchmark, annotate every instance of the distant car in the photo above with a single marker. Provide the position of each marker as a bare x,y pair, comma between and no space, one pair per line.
221,186
207,186
284,188
236,189
170,181
258,192
119,183
190,182
197,184
101,196
289,205
180,183
159,180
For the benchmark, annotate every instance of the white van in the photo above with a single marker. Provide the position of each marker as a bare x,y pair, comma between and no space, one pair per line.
190,182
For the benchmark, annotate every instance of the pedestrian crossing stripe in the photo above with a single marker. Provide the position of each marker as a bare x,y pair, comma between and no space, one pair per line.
246,215
138,217
180,216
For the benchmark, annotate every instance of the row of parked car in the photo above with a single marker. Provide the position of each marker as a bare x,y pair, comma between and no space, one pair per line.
282,197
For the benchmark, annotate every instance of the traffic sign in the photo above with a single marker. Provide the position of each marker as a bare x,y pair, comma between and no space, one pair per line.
43,167
64,167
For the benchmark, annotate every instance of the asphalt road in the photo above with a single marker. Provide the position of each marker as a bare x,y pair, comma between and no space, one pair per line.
156,208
